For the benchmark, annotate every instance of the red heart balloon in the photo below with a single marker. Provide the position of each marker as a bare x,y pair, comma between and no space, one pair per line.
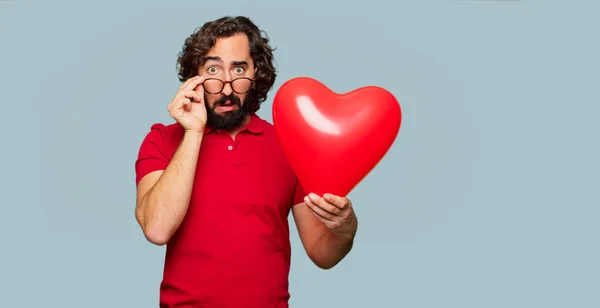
332,140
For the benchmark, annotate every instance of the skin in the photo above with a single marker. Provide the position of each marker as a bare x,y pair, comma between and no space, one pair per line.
326,224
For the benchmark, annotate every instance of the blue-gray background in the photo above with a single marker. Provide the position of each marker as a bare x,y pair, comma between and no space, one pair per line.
488,198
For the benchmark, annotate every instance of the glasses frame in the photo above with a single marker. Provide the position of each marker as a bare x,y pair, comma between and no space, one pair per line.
223,83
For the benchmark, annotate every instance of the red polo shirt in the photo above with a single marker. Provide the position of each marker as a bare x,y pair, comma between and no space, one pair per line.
232,248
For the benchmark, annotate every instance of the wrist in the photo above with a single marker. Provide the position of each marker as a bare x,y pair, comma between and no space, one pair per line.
193,134
348,230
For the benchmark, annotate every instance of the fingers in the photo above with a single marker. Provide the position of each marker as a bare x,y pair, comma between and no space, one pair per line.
334,212
192,96
340,202
184,100
191,83
187,82
187,94
325,208
319,212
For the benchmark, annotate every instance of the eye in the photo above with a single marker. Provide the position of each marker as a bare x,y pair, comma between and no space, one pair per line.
212,70
239,70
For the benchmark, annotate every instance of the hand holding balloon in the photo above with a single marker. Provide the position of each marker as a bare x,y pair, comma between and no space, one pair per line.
335,212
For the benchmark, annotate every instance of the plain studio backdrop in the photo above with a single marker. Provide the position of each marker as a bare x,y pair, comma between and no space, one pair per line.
488,198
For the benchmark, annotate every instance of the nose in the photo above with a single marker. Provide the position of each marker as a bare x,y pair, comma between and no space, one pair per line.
227,90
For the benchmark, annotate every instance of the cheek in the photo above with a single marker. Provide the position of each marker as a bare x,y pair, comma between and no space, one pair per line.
243,98
210,99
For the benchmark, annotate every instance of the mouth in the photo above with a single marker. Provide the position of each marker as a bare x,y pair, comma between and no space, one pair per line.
226,106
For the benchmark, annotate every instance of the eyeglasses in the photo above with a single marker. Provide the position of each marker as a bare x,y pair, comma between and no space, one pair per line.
239,85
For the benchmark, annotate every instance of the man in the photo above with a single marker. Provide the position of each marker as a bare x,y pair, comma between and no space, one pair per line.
217,189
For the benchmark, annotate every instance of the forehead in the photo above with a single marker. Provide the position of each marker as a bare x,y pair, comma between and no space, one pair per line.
229,49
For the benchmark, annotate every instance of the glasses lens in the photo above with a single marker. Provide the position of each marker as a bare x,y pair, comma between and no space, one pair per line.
241,85
212,86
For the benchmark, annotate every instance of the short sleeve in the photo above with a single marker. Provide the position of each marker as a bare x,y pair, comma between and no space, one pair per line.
152,155
299,193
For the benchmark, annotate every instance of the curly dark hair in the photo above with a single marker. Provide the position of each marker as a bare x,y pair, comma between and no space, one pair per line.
191,57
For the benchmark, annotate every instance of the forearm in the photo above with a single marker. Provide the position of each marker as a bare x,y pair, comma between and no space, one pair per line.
166,203
331,248
335,244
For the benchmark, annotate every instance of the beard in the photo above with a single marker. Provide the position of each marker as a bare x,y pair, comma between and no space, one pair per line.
227,120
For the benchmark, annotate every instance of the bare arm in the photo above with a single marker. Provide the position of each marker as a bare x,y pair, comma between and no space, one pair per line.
163,196
327,231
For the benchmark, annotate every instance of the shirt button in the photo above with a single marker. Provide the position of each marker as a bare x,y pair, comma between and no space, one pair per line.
230,148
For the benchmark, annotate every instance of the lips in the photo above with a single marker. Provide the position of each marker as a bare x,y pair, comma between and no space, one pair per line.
227,103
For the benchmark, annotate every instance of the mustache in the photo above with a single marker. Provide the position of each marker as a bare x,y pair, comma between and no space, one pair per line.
232,98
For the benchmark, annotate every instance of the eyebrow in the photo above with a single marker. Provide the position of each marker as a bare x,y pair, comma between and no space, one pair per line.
218,59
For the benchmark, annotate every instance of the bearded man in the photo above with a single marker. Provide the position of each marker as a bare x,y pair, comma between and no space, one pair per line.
216,187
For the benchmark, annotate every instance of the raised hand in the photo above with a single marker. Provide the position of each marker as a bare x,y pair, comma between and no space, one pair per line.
187,107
